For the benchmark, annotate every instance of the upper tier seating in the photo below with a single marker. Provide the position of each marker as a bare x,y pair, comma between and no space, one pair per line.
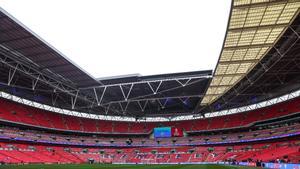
19,113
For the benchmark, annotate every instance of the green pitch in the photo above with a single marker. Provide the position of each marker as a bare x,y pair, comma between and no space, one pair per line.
112,166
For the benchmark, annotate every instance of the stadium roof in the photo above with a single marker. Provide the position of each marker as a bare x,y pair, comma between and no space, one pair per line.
253,28
37,71
17,38
259,61
276,74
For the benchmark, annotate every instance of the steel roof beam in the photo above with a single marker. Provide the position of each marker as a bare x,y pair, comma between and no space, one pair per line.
248,46
150,81
239,61
272,26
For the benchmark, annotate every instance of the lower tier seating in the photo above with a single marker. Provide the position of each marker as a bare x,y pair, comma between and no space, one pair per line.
285,151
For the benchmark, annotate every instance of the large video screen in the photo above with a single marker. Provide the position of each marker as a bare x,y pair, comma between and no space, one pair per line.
162,132
165,132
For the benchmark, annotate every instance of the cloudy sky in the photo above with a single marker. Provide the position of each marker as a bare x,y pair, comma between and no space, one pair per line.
119,37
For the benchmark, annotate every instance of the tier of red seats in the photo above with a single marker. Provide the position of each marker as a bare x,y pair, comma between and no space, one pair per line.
15,112
24,153
8,133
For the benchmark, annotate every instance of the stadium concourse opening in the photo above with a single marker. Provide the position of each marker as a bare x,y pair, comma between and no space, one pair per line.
244,114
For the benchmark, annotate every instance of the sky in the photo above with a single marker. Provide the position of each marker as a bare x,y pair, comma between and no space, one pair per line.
120,37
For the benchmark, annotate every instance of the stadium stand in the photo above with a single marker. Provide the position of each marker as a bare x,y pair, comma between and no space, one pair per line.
268,140
24,153
247,110
15,112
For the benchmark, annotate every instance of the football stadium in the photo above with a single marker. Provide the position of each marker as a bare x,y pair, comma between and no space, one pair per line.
243,114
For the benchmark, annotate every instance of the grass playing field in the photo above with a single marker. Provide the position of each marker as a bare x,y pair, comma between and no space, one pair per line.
102,166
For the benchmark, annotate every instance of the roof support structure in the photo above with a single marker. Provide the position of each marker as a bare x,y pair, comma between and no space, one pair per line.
34,82
151,119
11,74
54,98
142,106
14,65
183,83
162,102
189,78
128,93
159,91
154,89
74,99
124,109
96,99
